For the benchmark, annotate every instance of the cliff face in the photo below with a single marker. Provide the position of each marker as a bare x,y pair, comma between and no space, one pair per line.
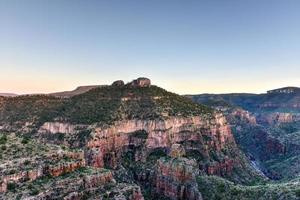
200,137
222,168
163,133
66,168
250,133
176,179
278,118
57,127
195,132
244,115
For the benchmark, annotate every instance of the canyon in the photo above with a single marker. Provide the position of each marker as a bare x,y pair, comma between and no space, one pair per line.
266,126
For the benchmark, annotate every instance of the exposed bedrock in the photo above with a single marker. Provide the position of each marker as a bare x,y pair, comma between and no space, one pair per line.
144,136
278,118
176,178
57,127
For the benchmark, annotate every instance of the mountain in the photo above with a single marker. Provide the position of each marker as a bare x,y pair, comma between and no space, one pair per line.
140,133
124,141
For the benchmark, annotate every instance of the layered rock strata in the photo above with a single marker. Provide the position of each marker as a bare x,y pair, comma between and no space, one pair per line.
108,143
176,179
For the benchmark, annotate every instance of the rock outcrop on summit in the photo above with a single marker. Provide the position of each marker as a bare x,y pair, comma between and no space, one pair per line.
140,82
118,83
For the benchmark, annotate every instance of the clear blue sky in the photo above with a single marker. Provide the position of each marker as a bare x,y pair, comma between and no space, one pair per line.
184,46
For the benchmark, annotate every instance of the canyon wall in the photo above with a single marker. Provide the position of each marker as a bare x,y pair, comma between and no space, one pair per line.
57,127
278,118
176,179
199,134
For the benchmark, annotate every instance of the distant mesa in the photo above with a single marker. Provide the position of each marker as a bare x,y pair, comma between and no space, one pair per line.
8,94
285,90
77,91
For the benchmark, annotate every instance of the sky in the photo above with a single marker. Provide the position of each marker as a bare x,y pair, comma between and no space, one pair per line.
188,47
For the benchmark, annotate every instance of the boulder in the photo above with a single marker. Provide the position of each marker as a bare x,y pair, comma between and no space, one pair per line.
140,82
118,83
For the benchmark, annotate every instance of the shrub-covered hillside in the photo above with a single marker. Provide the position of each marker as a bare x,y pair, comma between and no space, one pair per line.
111,103
104,104
217,188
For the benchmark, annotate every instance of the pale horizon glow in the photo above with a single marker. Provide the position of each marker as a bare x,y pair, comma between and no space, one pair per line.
187,47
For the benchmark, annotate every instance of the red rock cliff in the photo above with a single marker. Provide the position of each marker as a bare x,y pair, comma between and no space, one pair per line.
175,178
110,141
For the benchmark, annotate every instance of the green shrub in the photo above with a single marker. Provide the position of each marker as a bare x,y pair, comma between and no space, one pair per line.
12,171
34,191
3,139
156,154
27,162
60,136
3,147
297,192
140,134
19,197
11,186
84,135
25,140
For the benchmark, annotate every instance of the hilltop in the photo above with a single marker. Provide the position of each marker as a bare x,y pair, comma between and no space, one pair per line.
103,104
